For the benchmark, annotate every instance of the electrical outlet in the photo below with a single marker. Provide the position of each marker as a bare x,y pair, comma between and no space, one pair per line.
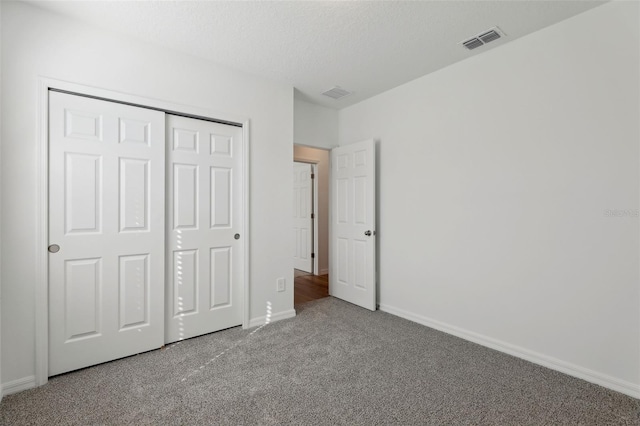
281,284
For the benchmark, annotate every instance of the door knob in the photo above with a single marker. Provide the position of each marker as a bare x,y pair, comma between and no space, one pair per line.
237,236
54,248
367,233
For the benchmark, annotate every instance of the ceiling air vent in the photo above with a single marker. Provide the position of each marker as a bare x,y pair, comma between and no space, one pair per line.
489,36
472,43
483,38
336,93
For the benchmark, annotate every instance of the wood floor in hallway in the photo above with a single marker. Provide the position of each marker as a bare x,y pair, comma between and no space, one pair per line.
308,287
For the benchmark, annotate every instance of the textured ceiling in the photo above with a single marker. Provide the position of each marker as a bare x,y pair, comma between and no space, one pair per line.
364,47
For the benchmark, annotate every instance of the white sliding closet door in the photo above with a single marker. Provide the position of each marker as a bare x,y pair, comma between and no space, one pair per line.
106,231
204,227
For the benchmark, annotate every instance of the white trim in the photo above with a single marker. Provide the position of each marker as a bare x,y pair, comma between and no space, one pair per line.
330,223
324,271
42,219
316,220
18,385
246,309
169,107
42,237
273,318
0,220
574,370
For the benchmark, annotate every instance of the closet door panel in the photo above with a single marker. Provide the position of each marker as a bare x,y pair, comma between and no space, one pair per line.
106,216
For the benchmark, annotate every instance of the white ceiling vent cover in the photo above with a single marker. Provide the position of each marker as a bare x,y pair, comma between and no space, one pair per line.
483,38
472,43
336,93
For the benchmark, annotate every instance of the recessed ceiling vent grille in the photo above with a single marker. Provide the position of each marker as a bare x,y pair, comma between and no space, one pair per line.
336,93
489,36
483,38
472,43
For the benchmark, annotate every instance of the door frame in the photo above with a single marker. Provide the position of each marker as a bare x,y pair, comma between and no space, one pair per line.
314,201
42,191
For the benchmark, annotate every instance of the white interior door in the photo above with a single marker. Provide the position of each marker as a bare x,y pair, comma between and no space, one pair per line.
204,227
106,215
302,217
353,248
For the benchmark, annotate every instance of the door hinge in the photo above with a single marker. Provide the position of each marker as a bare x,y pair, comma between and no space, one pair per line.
313,216
313,176
313,255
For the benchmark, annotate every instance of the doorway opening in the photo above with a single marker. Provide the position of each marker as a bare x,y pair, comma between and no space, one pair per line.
311,223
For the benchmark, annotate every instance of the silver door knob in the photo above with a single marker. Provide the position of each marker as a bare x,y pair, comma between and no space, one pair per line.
54,248
367,233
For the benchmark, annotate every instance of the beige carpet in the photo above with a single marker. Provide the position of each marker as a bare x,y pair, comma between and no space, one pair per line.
332,364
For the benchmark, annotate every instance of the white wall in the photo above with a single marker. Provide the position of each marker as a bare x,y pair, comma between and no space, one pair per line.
314,125
317,126
321,158
37,43
495,178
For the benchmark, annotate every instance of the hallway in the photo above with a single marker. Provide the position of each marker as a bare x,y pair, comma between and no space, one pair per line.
308,287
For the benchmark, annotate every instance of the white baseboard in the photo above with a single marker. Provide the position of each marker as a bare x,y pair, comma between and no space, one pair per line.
18,385
324,271
254,322
592,376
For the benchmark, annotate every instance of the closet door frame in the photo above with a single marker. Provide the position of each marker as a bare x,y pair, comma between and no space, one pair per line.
42,203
